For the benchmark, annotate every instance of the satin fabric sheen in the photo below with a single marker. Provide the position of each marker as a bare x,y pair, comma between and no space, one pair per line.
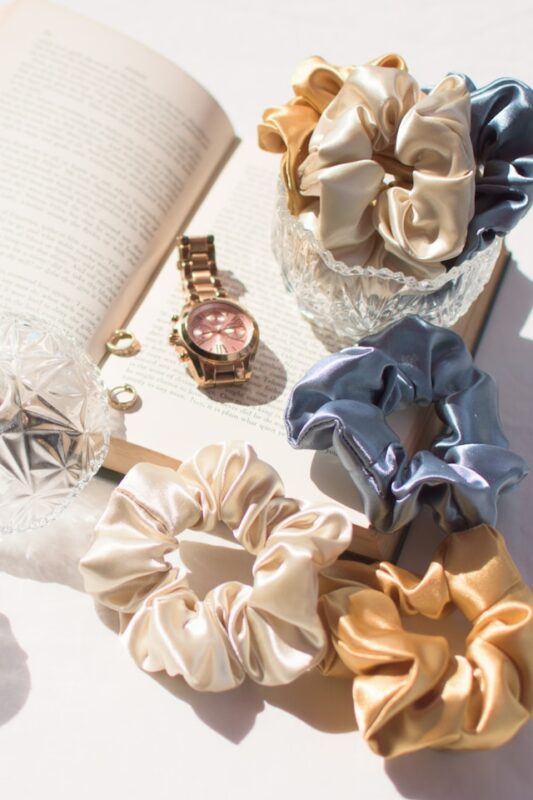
409,691
393,170
502,140
342,403
287,129
270,631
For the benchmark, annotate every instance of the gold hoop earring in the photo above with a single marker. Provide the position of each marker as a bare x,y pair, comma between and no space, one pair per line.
130,346
129,397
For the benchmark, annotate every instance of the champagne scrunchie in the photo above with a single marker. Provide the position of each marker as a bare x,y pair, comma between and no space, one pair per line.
270,631
286,129
409,156
409,691
343,400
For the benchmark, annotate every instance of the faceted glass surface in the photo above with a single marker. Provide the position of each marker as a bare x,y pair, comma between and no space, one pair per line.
348,303
54,429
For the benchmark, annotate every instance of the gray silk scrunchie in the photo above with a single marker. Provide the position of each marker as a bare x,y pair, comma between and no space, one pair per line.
501,132
342,403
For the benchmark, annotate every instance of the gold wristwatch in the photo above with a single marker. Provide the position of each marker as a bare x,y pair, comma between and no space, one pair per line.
214,335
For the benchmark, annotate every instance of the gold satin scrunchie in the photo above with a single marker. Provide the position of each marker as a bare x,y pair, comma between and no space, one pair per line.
287,129
409,692
270,631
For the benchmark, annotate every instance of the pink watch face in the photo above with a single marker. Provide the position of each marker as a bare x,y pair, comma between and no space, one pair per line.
219,327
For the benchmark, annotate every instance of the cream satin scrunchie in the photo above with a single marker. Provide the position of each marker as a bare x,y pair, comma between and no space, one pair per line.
409,156
270,631
409,692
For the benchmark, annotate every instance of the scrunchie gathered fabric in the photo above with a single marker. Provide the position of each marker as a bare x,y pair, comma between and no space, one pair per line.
409,691
342,403
287,129
502,141
270,631
393,170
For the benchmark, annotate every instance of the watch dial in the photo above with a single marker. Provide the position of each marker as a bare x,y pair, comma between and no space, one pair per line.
219,327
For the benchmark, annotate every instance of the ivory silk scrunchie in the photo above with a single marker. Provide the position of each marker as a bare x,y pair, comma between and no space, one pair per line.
270,631
393,170
286,129
342,403
409,691
502,140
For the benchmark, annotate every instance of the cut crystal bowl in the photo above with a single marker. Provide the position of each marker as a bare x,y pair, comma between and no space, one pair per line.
54,422
350,302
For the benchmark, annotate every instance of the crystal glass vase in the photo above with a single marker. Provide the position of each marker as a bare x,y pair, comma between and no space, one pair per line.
350,302
54,422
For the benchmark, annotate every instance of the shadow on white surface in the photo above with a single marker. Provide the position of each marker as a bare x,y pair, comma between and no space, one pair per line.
15,680
266,363
441,775
506,352
322,703
231,714
51,554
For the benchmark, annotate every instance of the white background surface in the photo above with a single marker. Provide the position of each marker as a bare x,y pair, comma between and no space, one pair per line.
77,718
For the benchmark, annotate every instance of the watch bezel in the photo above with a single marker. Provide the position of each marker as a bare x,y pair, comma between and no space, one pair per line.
217,358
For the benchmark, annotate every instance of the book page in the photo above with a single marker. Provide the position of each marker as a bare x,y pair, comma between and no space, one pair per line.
105,148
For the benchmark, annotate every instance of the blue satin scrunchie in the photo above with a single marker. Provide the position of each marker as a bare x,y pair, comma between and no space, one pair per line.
501,131
342,403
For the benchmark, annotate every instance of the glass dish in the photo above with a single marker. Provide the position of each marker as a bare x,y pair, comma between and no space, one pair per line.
54,422
349,303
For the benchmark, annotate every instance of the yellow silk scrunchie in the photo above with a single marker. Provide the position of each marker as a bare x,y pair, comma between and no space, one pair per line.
287,129
409,691
270,631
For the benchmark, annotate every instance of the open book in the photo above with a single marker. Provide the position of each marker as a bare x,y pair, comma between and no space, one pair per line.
107,152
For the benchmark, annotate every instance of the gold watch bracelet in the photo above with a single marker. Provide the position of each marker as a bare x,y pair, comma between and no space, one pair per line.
198,268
